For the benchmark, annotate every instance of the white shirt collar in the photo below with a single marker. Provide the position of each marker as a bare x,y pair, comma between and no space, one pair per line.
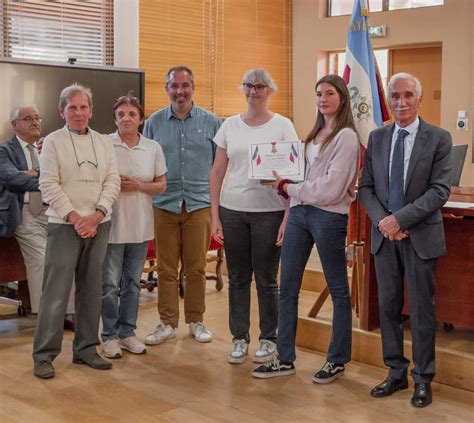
411,129
118,141
24,144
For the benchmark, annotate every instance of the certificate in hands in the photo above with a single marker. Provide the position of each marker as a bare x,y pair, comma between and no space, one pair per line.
284,157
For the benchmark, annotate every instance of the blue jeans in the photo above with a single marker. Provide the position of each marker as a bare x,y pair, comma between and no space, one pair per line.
121,274
308,225
249,244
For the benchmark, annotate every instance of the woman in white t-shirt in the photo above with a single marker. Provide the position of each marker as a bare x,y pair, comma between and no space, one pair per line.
250,215
142,169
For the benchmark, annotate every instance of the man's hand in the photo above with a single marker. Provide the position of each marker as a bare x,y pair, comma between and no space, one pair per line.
128,183
30,172
86,227
389,226
399,236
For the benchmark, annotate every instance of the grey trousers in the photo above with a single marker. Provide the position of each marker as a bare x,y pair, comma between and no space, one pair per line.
68,255
31,236
395,260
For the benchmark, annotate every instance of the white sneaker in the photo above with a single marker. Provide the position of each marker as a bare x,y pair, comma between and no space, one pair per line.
239,351
112,348
133,345
265,352
200,332
160,335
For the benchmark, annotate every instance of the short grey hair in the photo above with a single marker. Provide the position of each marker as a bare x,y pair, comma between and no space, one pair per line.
15,113
70,91
260,74
404,75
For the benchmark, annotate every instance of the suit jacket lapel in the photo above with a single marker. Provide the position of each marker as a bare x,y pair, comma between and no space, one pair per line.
418,146
19,155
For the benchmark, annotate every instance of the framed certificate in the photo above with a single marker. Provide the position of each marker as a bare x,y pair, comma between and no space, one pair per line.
285,157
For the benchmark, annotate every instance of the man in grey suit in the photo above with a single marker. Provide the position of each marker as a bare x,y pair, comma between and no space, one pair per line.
405,182
22,212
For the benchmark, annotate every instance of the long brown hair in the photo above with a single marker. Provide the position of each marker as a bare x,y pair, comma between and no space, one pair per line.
344,118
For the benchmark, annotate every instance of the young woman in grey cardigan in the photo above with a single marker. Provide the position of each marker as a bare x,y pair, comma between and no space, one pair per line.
319,214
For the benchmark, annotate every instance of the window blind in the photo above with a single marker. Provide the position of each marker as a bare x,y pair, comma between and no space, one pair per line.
219,40
58,30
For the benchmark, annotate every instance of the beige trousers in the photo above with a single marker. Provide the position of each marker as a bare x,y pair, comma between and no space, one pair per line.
185,234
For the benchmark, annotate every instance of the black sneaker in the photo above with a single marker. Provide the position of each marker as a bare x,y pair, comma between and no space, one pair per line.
274,368
329,372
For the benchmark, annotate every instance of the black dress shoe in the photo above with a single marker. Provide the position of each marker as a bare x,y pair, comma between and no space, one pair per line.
44,369
422,395
389,386
95,361
69,324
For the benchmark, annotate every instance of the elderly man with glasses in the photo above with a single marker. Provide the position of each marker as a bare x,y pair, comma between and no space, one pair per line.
80,182
22,211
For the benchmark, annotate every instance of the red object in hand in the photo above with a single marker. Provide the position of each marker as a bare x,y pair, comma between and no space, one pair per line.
150,255
215,244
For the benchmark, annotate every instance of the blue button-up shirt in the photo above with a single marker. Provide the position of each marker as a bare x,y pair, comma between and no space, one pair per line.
189,153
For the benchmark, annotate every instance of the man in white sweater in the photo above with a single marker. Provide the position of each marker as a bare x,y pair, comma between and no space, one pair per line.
80,182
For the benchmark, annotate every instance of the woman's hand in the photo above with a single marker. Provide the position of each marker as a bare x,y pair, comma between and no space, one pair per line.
128,183
278,178
216,230
281,233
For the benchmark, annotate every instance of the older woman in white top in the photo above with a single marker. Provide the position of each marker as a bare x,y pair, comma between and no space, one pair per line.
142,171
250,215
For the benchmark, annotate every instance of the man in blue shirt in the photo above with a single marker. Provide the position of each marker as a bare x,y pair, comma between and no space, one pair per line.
182,214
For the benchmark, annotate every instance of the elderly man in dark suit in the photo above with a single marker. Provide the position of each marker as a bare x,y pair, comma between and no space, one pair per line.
405,182
22,212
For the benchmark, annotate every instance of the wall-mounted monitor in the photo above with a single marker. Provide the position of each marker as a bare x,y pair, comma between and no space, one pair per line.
38,83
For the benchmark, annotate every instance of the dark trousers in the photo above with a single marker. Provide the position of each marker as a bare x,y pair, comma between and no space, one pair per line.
250,247
394,261
68,256
306,226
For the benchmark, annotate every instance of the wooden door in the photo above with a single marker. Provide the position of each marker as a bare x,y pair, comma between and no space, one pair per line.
425,64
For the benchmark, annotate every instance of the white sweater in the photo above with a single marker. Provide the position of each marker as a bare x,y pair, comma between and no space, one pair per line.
68,187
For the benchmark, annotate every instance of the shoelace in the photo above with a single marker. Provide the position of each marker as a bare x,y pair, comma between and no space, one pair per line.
275,363
160,328
199,328
328,367
265,346
239,345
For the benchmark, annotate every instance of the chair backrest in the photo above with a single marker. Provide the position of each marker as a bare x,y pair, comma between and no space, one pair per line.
459,155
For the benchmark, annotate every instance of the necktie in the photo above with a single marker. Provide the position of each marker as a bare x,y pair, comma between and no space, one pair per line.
396,189
36,202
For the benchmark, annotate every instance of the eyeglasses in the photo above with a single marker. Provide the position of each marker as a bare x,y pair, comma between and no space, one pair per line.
31,119
80,163
257,87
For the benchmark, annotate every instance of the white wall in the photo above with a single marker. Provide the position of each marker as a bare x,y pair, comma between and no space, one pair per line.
126,21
